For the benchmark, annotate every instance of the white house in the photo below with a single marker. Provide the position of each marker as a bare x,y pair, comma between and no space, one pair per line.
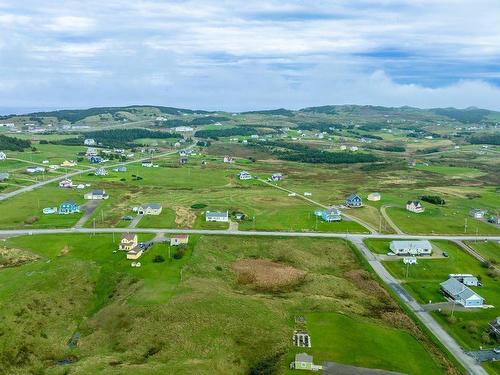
66,183
276,177
147,163
89,142
150,209
91,151
179,239
461,294
354,148
217,216
228,159
35,169
343,148
374,197
422,247
97,194
244,175
466,279
477,213
414,206
3,156
101,172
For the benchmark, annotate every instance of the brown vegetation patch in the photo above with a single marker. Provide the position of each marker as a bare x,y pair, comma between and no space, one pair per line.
64,251
184,217
266,275
15,257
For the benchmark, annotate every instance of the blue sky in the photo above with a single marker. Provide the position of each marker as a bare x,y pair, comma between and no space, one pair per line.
243,55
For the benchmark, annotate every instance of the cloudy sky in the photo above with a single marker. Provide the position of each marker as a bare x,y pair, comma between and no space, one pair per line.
241,55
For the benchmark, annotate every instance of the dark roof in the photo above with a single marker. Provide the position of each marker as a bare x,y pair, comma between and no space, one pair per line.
415,202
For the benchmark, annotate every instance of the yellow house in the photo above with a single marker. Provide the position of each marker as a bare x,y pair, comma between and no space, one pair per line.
128,241
68,163
135,253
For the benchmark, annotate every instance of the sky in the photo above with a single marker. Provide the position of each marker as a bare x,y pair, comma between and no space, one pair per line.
245,55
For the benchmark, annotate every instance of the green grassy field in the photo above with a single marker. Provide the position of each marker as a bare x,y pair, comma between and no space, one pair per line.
392,349
158,319
455,172
488,249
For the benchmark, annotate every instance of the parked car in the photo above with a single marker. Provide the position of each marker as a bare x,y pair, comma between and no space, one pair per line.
445,254
390,253
497,350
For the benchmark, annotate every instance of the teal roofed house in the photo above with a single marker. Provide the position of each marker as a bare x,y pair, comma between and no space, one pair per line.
68,207
329,215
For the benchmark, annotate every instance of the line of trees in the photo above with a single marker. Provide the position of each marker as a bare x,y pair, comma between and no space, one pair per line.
434,199
486,139
228,132
13,144
117,137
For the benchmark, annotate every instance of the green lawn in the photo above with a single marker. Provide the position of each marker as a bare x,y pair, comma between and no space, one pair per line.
365,343
488,249
456,172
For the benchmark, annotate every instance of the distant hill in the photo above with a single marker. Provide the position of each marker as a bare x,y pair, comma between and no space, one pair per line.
463,115
272,112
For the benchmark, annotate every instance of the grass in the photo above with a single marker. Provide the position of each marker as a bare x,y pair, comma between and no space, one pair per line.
454,172
215,323
488,249
369,344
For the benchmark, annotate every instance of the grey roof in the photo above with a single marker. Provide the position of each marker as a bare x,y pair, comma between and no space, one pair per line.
154,206
457,290
303,357
98,192
216,214
403,245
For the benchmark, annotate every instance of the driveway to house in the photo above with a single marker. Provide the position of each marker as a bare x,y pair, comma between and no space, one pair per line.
484,355
387,218
135,221
89,208
79,172
352,218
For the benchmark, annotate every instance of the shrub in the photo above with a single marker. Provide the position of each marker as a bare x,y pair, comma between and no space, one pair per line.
158,259
434,199
123,179
198,206
180,251
31,220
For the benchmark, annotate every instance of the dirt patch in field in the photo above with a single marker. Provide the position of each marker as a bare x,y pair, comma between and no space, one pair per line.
266,275
15,257
64,251
184,217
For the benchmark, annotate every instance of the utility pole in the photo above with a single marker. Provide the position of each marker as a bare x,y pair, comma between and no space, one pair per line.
102,216
465,226
93,220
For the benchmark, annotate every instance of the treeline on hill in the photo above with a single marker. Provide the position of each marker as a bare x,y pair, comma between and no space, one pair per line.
490,139
326,109
13,144
118,137
306,154
229,132
389,148
463,115
74,115
272,112
207,120
319,126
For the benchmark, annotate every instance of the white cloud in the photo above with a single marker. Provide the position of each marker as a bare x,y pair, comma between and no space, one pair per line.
71,24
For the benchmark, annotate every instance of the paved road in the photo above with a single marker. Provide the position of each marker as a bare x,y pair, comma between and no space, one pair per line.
69,175
468,362
348,236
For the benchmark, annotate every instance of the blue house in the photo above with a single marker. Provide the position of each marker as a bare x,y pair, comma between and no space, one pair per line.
354,200
68,207
95,159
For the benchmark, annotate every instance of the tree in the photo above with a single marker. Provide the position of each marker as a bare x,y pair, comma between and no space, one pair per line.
158,259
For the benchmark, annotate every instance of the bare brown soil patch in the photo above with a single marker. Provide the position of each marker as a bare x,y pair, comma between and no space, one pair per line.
184,217
15,257
266,275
